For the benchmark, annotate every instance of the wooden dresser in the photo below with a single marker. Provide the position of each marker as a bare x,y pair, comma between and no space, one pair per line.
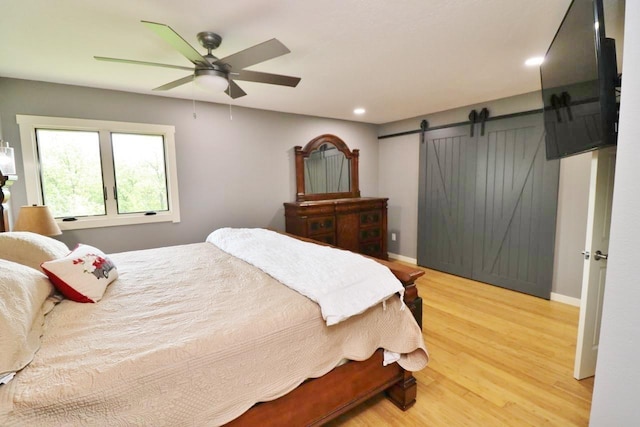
357,224
328,206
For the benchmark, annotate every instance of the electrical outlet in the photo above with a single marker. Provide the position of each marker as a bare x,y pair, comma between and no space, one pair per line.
393,237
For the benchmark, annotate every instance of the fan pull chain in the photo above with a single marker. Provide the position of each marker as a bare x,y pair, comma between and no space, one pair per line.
230,109
193,96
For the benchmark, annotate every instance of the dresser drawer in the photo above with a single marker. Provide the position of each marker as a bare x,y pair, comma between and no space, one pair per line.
372,249
357,224
370,218
325,238
320,225
367,234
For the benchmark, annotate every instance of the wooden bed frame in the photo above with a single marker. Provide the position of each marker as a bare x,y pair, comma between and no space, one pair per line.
319,400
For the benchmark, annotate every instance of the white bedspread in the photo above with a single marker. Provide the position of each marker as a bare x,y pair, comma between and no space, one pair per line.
353,283
189,336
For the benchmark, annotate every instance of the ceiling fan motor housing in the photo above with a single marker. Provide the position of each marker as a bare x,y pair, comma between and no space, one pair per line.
209,40
210,72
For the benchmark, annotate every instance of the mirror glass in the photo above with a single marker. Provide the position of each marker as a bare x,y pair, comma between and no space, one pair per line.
327,170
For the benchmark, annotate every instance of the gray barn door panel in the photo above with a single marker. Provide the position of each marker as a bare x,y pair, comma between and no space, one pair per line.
516,194
447,186
487,204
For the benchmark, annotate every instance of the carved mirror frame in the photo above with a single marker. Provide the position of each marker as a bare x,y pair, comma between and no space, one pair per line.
314,144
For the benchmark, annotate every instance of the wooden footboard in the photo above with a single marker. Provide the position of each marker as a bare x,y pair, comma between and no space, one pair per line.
319,400
408,276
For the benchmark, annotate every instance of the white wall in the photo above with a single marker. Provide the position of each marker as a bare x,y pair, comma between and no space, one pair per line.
617,383
571,224
398,169
231,172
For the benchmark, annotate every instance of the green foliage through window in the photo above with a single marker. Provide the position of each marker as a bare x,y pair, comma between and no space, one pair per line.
70,170
141,179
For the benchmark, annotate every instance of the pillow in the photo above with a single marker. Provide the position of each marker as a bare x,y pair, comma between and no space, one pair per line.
30,249
24,300
83,275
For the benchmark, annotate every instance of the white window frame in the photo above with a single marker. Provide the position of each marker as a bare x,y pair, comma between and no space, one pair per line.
28,126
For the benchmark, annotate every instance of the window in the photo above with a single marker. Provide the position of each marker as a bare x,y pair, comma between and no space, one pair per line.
138,162
70,172
99,173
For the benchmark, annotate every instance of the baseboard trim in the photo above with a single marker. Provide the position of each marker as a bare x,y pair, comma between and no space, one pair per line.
403,258
565,299
554,296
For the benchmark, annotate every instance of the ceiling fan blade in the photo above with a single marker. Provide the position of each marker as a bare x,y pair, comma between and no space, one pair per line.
176,83
234,91
255,54
274,79
132,61
178,43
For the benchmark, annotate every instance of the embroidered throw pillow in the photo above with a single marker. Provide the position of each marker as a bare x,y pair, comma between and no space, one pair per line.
83,275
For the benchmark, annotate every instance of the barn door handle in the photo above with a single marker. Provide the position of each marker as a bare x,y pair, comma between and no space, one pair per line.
599,255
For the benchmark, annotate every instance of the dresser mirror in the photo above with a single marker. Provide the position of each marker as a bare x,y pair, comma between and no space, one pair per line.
326,169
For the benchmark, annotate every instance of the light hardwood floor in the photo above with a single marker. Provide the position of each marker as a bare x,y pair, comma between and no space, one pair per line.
498,358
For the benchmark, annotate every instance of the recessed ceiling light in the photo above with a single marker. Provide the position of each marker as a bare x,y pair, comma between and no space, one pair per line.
535,61
359,111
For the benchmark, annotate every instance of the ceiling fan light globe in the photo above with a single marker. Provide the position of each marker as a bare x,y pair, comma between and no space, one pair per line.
212,80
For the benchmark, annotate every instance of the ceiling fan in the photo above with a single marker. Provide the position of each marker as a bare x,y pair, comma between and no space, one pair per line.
211,71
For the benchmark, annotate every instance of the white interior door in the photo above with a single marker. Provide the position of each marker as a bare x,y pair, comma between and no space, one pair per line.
595,263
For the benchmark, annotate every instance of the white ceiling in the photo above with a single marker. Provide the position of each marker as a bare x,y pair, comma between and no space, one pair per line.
395,58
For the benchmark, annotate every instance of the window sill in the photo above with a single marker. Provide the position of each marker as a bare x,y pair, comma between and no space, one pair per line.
130,219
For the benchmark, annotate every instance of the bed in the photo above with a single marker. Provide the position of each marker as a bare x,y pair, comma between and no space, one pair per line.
192,335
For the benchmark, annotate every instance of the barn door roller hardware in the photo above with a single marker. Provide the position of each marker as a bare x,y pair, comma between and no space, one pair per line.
424,125
559,102
483,116
473,118
556,104
566,102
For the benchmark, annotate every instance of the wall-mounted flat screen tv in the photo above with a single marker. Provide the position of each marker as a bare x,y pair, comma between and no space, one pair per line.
579,79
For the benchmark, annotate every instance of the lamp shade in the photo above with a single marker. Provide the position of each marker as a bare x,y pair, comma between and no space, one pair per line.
7,159
37,219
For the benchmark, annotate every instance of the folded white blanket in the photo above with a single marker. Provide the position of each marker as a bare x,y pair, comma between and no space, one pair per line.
341,282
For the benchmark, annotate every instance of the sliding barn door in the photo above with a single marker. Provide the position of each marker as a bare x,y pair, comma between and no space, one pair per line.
516,204
447,188
487,204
